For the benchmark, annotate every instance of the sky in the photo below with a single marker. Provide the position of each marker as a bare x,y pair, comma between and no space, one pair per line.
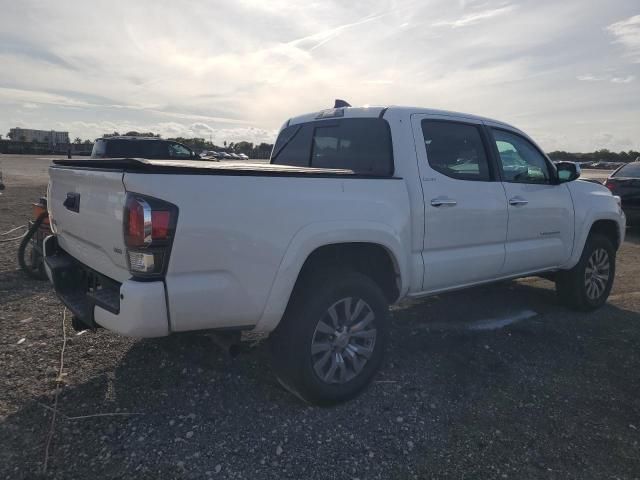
566,72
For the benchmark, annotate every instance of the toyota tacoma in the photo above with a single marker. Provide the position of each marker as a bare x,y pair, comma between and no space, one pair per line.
359,208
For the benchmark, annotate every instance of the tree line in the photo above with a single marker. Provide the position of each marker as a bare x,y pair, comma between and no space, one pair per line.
602,155
260,150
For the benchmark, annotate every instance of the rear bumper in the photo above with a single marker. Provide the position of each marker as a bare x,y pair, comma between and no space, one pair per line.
131,308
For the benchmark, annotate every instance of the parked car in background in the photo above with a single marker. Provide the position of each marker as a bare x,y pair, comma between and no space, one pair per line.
625,182
209,155
243,156
141,147
358,209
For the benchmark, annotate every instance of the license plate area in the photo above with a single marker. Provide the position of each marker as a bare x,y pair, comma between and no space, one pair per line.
79,287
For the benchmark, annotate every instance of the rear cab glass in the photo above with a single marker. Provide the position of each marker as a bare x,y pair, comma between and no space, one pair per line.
362,145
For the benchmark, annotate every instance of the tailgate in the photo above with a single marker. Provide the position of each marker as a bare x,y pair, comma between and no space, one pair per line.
86,208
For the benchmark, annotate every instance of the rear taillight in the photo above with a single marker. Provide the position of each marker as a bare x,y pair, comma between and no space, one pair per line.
610,184
137,213
149,225
160,221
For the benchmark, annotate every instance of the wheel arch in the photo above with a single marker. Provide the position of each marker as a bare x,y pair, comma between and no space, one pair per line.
608,228
338,243
607,223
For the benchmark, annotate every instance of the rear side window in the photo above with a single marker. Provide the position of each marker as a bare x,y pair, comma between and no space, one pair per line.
359,144
456,150
293,146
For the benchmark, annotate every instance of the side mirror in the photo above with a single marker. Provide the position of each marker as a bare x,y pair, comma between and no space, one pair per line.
568,171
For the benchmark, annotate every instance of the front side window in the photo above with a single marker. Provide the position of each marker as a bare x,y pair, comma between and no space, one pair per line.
179,151
520,161
456,150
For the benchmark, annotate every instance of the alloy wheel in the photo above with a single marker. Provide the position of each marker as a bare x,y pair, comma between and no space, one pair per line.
343,341
596,274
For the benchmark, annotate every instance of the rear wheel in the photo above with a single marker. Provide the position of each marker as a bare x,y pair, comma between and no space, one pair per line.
587,285
331,340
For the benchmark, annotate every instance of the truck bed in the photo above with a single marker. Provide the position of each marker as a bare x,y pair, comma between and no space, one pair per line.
203,167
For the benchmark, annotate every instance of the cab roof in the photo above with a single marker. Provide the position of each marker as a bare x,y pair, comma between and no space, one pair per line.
382,111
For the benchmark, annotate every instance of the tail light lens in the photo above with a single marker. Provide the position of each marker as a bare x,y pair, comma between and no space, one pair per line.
149,227
610,184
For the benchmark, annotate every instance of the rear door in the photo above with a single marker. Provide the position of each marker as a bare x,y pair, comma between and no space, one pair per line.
465,205
86,208
540,232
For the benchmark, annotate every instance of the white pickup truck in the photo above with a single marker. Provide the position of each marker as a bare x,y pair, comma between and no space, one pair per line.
359,208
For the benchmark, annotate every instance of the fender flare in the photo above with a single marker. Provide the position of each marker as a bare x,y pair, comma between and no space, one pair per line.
590,218
316,235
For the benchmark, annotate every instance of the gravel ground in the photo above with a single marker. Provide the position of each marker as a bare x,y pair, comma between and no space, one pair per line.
553,396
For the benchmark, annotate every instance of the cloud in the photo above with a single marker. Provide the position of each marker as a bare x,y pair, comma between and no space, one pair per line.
627,79
611,78
474,18
627,33
201,127
544,65
11,45
589,78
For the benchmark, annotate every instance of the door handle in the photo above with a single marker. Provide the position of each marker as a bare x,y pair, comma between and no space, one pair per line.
443,202
518,201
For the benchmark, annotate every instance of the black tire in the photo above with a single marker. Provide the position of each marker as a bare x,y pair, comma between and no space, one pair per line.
34,270
291,342
572,285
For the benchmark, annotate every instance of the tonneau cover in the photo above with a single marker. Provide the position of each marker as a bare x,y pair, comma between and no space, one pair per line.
202,167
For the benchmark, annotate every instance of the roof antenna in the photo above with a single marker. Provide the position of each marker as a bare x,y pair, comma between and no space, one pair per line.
341,103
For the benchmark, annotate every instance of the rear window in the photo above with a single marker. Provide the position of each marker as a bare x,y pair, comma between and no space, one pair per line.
630,170
359,144
136,148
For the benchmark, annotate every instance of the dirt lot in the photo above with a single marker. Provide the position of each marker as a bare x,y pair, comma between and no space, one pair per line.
553,396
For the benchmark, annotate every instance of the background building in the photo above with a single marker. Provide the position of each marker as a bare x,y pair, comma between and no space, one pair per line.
50,137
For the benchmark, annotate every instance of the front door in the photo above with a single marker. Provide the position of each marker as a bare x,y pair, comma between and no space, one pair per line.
465,203
540,232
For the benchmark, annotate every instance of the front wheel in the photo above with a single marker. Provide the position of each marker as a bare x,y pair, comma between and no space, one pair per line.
331,340
587,285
